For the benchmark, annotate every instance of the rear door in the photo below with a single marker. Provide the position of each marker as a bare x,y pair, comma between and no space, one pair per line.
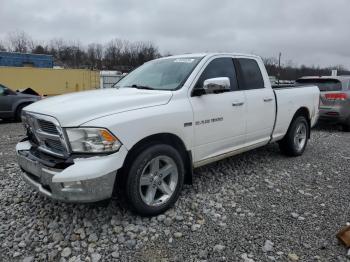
219,119
260,100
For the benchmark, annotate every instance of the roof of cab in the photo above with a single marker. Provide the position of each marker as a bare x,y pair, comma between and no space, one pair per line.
211,54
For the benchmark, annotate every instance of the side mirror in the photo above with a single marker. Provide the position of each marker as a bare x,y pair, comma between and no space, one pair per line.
216,85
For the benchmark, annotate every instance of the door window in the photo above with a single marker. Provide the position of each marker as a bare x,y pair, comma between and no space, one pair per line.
250,74
2,90
219,67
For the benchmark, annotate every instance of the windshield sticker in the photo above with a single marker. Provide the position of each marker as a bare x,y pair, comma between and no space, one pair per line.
184,60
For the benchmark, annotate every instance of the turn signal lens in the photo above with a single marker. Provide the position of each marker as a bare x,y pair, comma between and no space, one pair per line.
107,136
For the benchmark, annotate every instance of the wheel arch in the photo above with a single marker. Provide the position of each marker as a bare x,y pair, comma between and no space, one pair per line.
164,138
303,111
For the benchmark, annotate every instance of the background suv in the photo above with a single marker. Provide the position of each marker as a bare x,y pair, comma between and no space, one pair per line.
334,100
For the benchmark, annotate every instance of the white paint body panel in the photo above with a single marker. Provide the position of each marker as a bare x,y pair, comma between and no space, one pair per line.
289,100
215,137
260,115
77,108
132,126
133,115
261,111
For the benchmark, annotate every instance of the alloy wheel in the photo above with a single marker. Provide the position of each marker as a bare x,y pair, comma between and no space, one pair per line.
300,136
158,180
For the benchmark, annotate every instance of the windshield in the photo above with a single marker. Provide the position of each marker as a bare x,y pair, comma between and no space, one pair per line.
323,83
5,90
163,74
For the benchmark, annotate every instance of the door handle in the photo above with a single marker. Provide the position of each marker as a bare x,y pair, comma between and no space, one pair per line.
238,104
267,100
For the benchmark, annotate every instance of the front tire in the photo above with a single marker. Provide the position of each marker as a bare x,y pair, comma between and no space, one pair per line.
154,180
295,141
18,115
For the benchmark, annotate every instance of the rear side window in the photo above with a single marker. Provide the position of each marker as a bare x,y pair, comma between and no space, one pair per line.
322,83
250,74
219,67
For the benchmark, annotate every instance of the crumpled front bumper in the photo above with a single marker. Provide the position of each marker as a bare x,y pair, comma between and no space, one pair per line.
85,180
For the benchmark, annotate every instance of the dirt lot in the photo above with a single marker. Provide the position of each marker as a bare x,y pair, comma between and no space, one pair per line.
259,206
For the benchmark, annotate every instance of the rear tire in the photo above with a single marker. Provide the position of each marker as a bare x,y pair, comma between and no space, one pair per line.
154,180
295,141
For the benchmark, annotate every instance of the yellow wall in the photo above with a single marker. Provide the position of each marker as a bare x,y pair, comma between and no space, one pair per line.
48,81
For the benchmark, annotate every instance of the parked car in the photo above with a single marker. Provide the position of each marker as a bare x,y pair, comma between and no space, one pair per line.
165,118
335,98
12,103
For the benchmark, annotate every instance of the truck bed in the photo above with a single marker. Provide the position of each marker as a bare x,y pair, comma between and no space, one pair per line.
289,100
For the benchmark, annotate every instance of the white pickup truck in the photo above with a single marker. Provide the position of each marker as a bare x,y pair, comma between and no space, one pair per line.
165,118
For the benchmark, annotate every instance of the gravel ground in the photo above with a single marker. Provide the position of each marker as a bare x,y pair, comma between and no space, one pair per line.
258,206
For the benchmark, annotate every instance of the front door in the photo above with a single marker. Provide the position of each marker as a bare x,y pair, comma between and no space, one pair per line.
219,119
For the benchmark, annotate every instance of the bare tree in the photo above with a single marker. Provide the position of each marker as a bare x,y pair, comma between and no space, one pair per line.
91,55
290,71
117,54
113,54
55,47
99,55
2,46
20,42
272,61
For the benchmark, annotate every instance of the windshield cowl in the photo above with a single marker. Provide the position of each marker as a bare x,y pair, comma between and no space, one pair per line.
141,87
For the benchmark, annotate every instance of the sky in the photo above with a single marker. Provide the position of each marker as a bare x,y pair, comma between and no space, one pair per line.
310,32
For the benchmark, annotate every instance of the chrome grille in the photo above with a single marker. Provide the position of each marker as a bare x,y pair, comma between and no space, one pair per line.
54,144
47,126
46,133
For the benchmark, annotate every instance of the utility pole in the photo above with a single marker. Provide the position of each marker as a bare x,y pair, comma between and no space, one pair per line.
279,67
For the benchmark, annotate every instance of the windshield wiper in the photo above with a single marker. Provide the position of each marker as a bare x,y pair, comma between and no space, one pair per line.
141,87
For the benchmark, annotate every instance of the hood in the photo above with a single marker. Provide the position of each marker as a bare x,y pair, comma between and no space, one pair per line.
77,108
19,94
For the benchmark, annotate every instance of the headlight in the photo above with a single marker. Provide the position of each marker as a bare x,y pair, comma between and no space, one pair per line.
92,140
